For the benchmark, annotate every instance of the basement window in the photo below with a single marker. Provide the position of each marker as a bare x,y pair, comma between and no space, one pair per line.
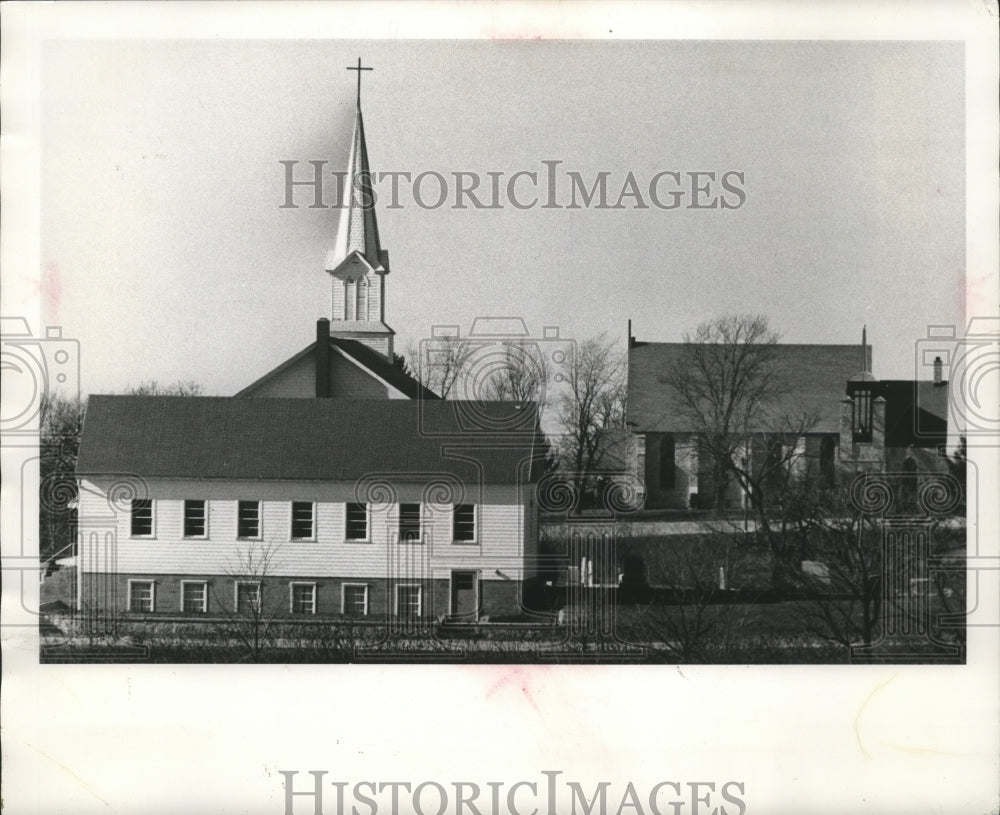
354,602
408,602
303,598
248,597
141,596
194,596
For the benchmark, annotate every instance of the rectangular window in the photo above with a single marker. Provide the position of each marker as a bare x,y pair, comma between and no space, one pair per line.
464,523
194,519
303,598
302,520
354,602
356,528
408,602
142,517
248,597
409,523
248,519
194,596
141,595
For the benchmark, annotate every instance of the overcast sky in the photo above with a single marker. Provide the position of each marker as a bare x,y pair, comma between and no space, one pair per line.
167,254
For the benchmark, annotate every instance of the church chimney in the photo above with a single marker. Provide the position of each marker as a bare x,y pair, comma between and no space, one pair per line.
938,371
322,358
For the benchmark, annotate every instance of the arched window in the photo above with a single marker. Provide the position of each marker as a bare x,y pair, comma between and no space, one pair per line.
668,479
362,313
350,302
826,466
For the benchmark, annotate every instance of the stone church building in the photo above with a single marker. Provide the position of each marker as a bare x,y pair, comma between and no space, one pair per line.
857,422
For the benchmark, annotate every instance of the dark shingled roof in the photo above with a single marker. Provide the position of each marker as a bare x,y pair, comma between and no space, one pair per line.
380,366
915,412
308,439
818,375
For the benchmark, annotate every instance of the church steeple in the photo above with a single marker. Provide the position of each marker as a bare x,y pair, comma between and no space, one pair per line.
357,263
358,227
863,393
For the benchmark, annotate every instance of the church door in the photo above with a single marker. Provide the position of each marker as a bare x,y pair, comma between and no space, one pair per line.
465,594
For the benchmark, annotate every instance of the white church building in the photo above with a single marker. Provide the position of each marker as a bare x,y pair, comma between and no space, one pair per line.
336,485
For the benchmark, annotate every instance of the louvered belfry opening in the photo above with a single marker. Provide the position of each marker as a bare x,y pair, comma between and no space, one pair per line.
861,411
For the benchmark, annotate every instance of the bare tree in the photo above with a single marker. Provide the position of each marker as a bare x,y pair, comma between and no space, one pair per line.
60,423
251,611
441,364
862,577
731,393
846,590
153,388
590,411
60,420
690,619
521,375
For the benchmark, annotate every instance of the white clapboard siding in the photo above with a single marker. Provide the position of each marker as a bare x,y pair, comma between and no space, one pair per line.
347,379
500,532
296,381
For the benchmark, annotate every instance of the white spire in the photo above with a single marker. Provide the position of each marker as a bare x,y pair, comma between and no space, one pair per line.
358,229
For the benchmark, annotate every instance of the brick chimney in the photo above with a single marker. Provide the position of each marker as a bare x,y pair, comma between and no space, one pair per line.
938,371
322,358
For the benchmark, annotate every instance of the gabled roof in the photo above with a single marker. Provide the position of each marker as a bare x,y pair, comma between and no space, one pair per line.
817,375
382,368
371,360
309,439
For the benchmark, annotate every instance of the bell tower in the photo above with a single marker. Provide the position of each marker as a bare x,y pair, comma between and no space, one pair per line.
862,415
357,263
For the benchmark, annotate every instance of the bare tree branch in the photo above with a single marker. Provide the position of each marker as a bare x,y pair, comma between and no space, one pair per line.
441,364
154,388
251,616
591,411
520,377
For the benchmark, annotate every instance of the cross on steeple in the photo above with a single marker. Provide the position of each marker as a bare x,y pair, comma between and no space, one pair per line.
359,69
